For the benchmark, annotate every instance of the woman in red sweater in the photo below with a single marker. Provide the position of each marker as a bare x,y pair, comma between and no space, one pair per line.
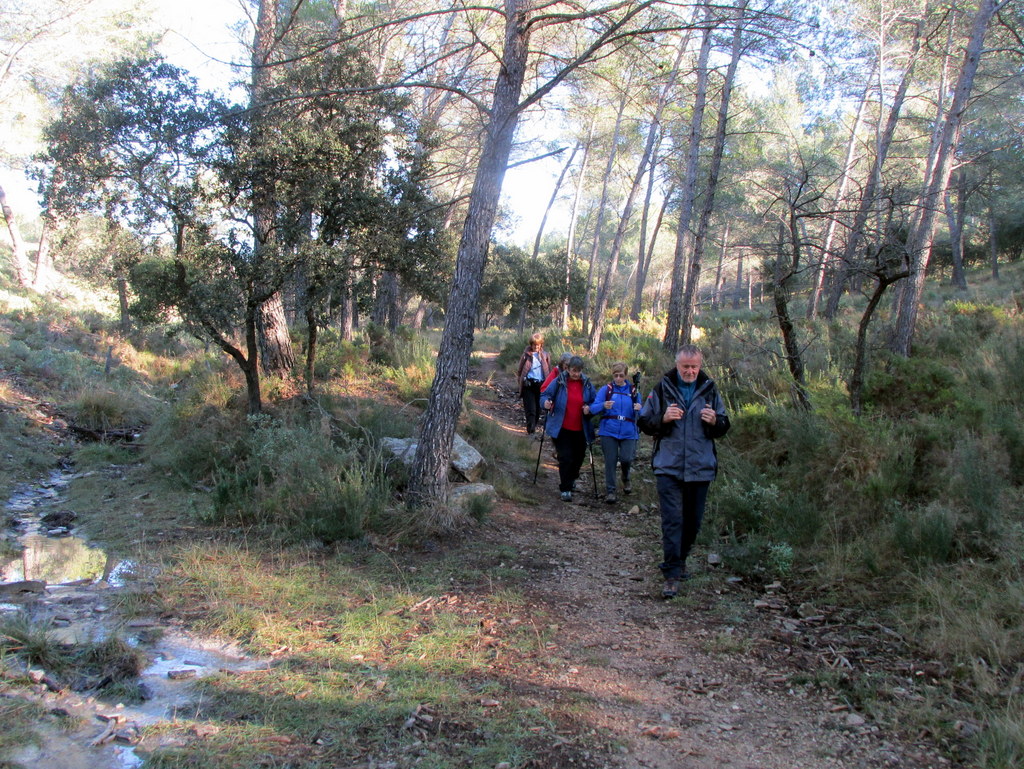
568,400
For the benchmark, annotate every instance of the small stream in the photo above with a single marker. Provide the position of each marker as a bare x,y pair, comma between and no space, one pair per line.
70,584
52,554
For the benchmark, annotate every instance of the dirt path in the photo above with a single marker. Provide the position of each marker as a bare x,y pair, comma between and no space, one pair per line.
713,678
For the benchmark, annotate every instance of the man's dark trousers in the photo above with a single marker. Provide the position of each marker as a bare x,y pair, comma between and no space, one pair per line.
682,510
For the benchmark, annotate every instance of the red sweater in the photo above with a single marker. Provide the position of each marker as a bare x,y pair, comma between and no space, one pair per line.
573,419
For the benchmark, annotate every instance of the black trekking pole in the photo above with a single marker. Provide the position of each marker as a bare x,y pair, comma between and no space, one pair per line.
593,472
536,469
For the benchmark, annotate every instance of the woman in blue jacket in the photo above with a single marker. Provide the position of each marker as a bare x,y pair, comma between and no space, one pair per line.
618,405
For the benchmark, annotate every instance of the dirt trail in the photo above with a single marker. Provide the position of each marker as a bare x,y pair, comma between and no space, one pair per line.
705,680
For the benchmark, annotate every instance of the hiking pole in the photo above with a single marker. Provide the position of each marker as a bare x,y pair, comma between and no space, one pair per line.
593,472
536,469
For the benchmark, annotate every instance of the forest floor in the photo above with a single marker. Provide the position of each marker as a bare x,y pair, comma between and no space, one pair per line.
728,674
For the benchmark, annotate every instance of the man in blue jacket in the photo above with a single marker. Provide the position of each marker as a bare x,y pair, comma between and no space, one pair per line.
685,414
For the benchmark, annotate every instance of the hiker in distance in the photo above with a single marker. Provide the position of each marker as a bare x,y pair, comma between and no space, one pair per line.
568,400
562,365
685,414
534,366
618,405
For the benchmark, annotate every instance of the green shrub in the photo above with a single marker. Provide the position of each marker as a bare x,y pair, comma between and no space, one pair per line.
302,482
337,357
103,409
925,535
908,386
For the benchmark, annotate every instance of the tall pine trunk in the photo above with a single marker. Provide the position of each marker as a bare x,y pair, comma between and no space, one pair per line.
429,475
689,300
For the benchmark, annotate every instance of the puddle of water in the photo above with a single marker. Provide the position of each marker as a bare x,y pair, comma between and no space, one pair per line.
49,559
77,575
179,652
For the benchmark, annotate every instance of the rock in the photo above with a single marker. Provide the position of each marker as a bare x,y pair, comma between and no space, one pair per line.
177,675
403,449
634,510
59,518
806,610
466,461
853,719
460,496
714,559
23,589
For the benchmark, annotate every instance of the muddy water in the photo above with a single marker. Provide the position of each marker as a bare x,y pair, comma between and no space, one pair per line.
71,585
51,554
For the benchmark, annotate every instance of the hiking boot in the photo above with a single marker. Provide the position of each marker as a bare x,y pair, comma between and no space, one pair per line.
567,496
627,488
670,589
610,498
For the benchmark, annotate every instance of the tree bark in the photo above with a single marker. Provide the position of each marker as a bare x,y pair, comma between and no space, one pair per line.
780,295
716,299
860,358
271,323
551,201
44,257
21,270
993,240
429,475
570,243
955,216
828,261
276,355
646,166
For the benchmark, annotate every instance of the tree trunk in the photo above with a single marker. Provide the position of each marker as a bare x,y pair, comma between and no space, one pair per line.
955,216
860,358
736,297
642,254
828,261
941,166
312,336
780,294
429,474
276,355
122,303
44,257
693,279
602,208
21,270
716,298
385,308
673,325
270,321
993,241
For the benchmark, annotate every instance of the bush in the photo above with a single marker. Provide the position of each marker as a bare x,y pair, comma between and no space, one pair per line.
925,535
302,482
909,386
